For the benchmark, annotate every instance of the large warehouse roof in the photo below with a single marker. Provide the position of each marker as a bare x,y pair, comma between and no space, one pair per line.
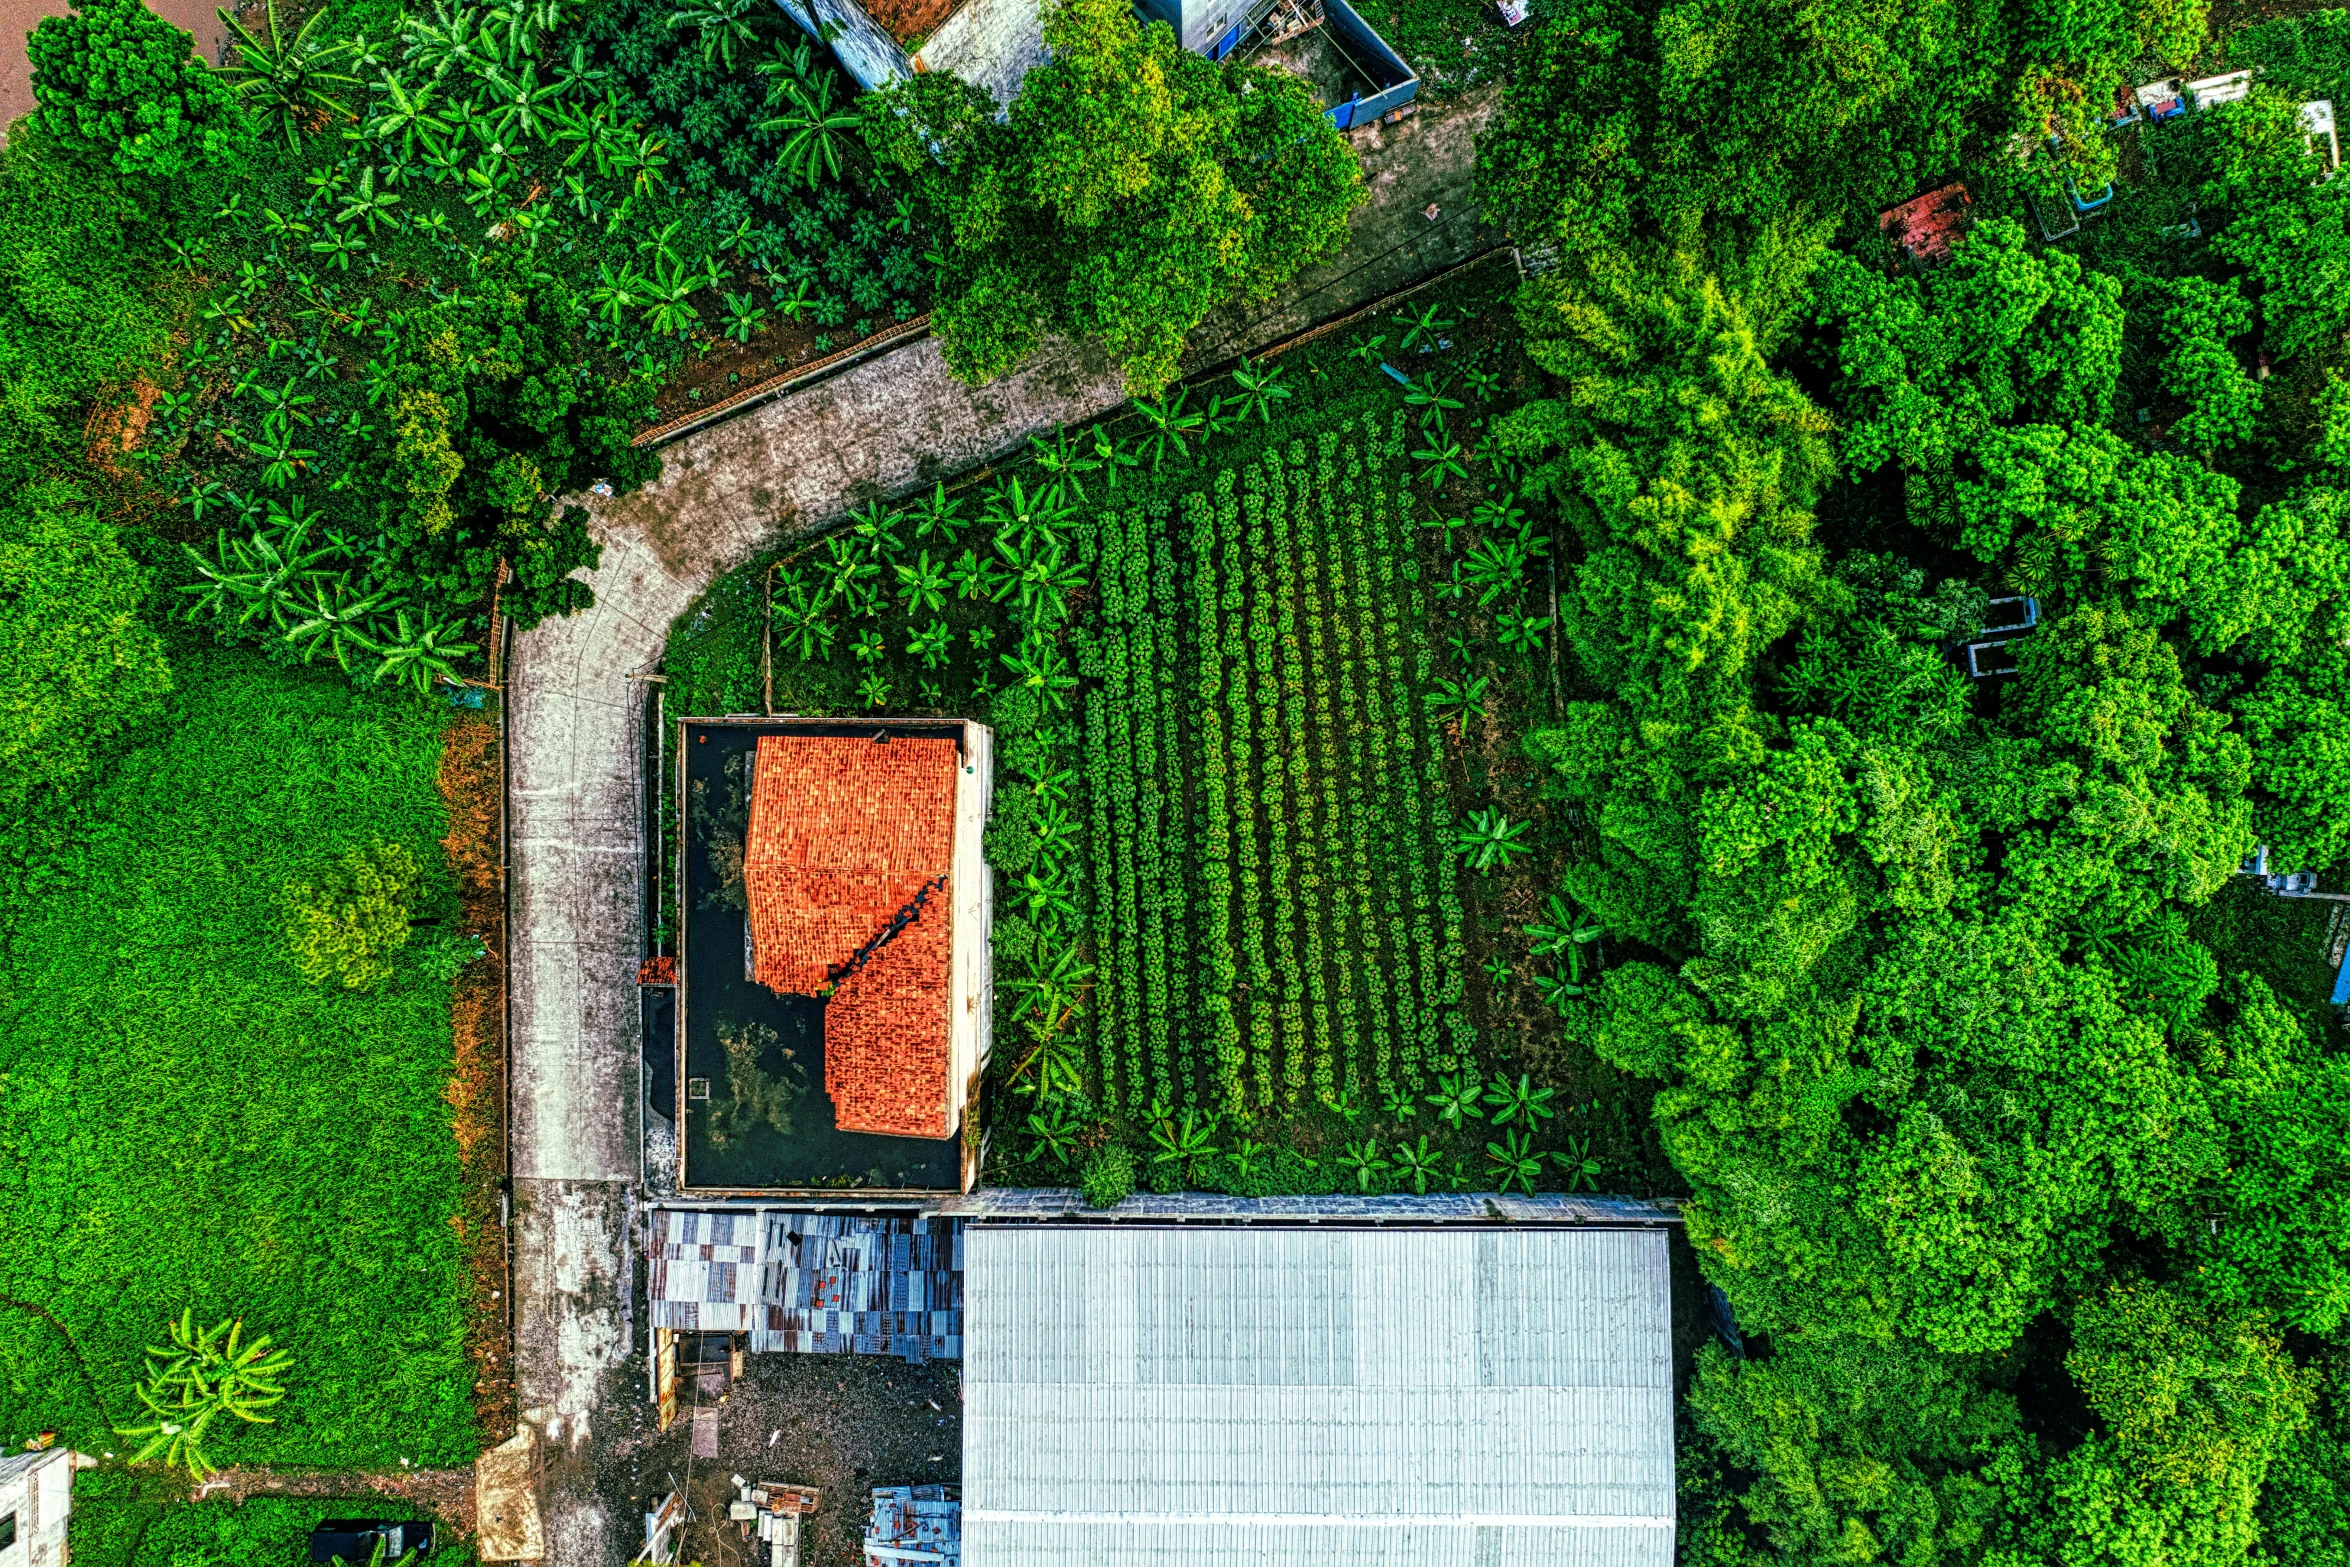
1429,1397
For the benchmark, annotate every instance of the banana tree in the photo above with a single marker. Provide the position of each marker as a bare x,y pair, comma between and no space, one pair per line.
1423,330
804,617
1260,387
1109,456
1040,666
518,102
645,161
976,577
1458,699
1495,566
814,130
933,643
363,203
922,584
1063,460
1041,579
339,246
288,75
723,25
1169,424
1027,518
420,651
666,293
1488,841
746,317
337,619
941,514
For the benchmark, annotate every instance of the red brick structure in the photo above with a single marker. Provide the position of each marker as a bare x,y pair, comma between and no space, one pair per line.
847,833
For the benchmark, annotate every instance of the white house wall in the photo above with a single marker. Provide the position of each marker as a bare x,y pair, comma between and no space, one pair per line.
971,985
992,44
870,56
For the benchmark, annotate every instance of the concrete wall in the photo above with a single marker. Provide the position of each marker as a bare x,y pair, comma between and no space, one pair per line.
870,56
1397,83
36,1489
1197,23
971,985
991,44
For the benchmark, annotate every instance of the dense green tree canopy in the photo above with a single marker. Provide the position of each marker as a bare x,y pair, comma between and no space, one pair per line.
1133,187
114,78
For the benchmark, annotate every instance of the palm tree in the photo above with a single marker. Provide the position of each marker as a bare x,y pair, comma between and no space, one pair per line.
289,75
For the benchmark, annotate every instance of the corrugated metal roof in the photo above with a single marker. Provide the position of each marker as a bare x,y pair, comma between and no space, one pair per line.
1272,1395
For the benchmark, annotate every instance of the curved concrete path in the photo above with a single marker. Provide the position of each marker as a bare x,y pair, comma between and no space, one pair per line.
576,720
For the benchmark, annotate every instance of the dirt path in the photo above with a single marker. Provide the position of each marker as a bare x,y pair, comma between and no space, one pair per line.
448,1492
576,718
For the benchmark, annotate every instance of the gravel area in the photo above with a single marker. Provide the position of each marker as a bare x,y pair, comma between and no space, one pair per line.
844,1423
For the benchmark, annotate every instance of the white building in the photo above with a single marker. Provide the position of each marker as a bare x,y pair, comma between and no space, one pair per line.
36,1498
1457,1396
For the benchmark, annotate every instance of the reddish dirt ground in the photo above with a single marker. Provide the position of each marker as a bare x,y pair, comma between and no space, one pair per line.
469,784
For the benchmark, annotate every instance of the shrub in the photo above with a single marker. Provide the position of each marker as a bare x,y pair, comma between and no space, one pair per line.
76,662
118,80
345,926
1109,1176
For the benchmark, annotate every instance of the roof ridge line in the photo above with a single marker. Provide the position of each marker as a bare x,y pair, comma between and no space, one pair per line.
905,916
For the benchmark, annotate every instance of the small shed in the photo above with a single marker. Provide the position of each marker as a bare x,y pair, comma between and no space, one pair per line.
1294,1396
36,1500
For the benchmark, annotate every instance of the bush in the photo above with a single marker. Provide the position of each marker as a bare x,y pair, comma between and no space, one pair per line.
345,926
1109,1176
76,662
116,79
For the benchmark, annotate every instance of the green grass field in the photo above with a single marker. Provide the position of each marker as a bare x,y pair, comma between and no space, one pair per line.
188,1123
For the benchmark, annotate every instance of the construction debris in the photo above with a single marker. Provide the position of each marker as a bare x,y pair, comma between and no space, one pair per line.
915,1523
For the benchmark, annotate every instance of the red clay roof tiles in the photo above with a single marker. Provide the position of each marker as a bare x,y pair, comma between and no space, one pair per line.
844,834
885,1034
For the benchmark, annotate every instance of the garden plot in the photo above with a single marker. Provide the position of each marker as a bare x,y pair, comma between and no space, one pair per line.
1274,898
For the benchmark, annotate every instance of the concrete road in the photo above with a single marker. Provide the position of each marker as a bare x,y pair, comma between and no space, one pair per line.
576,720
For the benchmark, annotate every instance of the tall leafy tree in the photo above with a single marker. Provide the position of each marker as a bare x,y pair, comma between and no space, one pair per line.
77,663
1133,187
115,79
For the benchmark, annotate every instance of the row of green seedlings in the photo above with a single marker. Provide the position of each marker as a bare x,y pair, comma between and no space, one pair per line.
1314,762
1188,1138
1140,820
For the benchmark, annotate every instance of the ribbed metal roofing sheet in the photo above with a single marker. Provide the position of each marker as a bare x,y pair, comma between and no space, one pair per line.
1437,1397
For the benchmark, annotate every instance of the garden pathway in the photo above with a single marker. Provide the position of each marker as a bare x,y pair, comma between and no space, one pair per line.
576,717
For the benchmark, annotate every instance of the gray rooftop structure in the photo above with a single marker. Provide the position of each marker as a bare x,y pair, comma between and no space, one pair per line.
1438,1397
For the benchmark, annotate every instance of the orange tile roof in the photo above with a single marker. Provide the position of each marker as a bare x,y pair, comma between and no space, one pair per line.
844,834
885,1033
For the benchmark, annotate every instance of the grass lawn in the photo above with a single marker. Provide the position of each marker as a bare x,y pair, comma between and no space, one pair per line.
188,1123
